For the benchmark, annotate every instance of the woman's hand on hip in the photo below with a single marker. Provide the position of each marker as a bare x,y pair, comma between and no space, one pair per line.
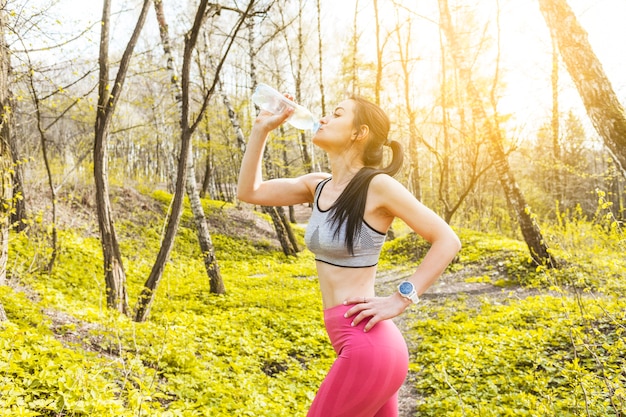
376,308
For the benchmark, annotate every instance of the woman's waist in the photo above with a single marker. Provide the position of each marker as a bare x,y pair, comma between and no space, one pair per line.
340,284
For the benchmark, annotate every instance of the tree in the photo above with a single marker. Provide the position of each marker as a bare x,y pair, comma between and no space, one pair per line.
594,87
108,97
6,159
555,121
188,127
281,224
491,131
202,228
404,47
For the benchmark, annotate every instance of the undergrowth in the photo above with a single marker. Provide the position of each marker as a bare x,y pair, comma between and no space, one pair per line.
261,349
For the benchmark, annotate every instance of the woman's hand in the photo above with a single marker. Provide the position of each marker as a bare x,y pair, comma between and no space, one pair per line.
269,121
377,308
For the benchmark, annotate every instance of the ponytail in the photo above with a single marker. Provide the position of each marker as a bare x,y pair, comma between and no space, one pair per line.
350,205
396,160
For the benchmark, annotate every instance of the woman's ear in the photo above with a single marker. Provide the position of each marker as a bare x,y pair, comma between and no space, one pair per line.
362,132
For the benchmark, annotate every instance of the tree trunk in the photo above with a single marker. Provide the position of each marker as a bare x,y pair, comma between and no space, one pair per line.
304,143
287,223
379,56
115,276
202,228
555,126
216,283
530,231
6,159
205,190
316,165
187,128
320,53
355,49
595,89
44,152
234,120
283,229
18,215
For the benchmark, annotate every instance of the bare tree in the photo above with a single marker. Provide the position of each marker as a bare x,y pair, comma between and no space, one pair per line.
115,276
19,212
44,150
188,127
320,57
301,47
555,121
404,47
379,55
355,49
490,130
595,89
282,227
202,228
6,159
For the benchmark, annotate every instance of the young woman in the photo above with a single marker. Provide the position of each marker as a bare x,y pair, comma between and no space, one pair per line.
353,208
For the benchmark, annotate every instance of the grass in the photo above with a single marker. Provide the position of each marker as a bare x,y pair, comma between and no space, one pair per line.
261,349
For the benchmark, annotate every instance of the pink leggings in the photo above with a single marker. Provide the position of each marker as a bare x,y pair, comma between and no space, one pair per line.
368,372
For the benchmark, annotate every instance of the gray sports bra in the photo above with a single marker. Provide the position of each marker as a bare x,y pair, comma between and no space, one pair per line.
327,248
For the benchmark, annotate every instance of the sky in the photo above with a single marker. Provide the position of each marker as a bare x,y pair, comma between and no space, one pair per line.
524,40
526,61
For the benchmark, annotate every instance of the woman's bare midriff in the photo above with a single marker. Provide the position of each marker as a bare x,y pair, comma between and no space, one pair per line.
338,283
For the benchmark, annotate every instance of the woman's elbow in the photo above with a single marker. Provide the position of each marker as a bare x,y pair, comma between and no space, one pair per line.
454,244
244,196
457,244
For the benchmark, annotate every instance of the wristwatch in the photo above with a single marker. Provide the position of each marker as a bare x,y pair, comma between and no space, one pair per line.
407,290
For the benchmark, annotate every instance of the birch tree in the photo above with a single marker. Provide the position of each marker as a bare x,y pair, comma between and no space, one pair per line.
189,123
406,65
595,89
492,132
284,233
202,228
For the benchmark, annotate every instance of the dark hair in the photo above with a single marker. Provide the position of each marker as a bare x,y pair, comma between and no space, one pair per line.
350,206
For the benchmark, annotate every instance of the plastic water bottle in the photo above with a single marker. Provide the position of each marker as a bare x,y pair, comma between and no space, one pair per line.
274,102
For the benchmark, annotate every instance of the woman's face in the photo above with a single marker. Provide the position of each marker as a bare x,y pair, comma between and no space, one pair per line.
337,129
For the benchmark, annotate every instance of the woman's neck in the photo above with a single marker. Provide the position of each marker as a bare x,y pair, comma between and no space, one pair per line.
341,177
343,170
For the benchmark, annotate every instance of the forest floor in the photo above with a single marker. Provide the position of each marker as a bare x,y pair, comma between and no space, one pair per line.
452,285
449,286
483,279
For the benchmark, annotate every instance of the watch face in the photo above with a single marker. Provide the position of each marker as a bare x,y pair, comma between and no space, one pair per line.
406,288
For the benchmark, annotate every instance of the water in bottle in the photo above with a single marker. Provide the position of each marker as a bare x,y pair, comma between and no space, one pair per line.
274,102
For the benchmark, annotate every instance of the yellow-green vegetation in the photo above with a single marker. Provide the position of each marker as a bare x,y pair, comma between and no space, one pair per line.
550,345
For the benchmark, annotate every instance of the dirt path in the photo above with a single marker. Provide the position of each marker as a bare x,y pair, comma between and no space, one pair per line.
450,285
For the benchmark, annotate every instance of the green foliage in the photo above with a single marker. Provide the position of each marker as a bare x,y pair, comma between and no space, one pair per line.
41,376
261,349
558,353
536,356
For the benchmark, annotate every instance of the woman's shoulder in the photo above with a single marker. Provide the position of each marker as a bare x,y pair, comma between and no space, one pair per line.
383,181
313,179
387,188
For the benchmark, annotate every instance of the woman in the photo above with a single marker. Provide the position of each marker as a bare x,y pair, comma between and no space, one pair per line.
353,208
